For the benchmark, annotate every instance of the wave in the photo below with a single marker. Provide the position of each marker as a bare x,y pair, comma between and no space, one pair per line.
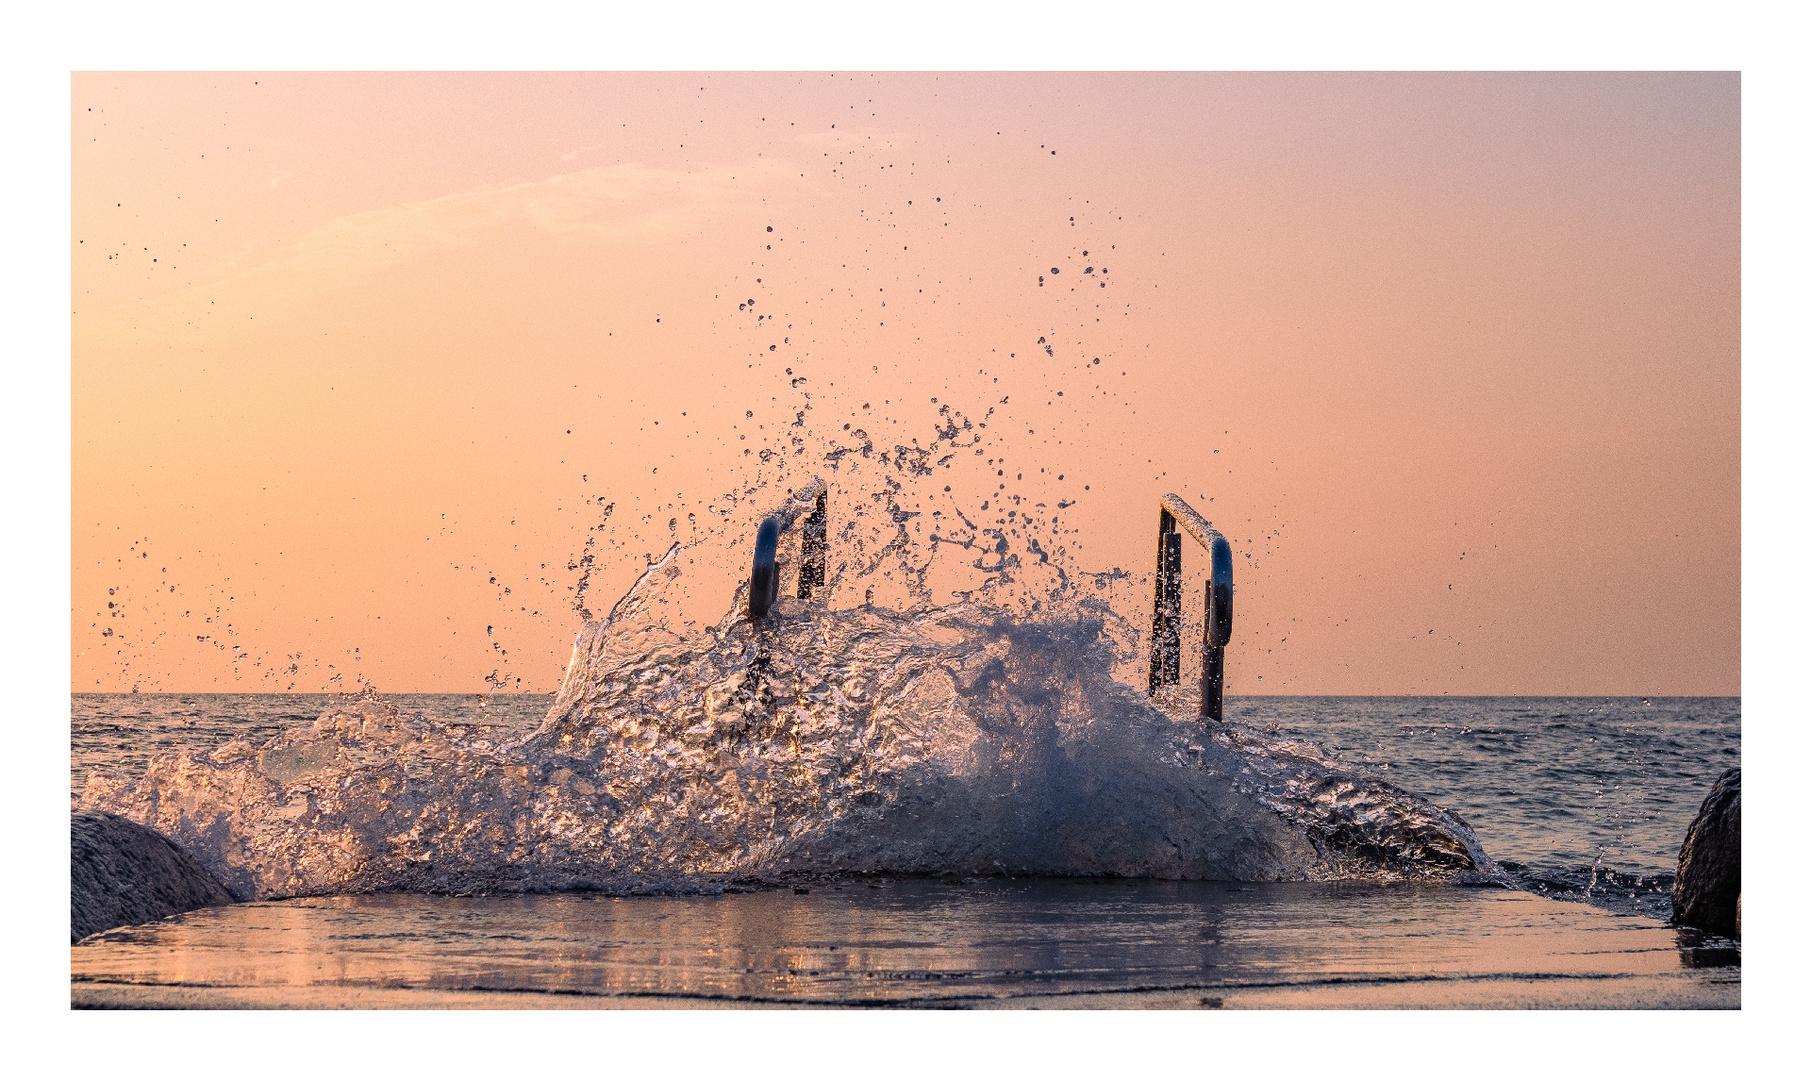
812,743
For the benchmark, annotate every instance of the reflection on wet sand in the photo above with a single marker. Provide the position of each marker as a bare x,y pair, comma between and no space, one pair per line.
994,943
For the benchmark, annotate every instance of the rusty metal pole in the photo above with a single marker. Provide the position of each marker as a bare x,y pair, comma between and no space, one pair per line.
1175,517
813,548
1166,613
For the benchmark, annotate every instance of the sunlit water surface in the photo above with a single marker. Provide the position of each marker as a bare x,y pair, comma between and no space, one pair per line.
977,943
1581,798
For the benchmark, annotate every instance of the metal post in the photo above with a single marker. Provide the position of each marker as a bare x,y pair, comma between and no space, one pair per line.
1174,518
1216,629
1166,614
764,578
813,548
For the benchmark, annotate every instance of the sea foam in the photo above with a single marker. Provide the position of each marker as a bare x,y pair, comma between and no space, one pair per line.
814,742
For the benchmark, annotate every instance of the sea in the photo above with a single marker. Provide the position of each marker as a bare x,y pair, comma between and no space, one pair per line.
1582,799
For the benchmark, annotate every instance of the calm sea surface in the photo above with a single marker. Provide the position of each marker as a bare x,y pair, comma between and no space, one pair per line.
1583,798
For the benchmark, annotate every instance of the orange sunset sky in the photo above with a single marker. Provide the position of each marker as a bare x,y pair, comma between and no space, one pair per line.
1453,360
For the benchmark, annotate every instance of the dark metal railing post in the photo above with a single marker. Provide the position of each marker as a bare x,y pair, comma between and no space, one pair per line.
764,578
1166,613
1175,516
814,548
1216,628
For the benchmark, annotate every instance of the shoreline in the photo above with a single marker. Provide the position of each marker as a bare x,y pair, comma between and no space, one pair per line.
1041,944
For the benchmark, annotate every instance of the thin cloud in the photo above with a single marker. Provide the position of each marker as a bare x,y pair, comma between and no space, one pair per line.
616,203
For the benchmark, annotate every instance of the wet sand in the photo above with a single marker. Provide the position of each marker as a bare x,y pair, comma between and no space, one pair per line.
1050,944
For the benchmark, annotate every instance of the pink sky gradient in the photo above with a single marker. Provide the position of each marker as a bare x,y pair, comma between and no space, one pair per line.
1456,358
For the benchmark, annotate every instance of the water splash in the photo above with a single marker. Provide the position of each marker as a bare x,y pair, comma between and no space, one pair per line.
959,739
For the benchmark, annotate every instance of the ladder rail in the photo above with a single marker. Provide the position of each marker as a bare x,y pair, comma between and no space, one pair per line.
807,509
1175,517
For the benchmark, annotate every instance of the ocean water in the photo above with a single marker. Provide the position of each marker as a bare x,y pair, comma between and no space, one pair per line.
1579,798
1582,799
121,733
956,804
812,743
1064,943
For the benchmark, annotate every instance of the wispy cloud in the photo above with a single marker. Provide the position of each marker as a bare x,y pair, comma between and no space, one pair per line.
616,203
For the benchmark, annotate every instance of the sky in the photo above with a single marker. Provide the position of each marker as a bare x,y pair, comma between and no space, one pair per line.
1454,360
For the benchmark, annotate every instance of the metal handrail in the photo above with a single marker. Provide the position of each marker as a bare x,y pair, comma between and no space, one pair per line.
807,508
764,579
1166,615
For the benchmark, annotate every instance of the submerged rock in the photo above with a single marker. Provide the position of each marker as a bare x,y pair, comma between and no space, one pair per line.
122,874
1707,893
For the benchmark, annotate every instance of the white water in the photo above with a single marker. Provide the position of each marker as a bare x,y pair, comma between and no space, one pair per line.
940,740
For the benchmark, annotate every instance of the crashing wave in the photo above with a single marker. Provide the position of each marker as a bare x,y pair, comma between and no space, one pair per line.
813,743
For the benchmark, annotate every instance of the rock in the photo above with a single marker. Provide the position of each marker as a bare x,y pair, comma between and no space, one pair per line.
121,874
1707,893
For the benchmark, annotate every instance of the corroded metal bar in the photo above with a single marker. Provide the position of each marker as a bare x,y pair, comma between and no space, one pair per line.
1188,520
1166,607
1174,516
814,548
808,504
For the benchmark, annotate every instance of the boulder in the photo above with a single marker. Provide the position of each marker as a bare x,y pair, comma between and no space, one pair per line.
1707,893
121,874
